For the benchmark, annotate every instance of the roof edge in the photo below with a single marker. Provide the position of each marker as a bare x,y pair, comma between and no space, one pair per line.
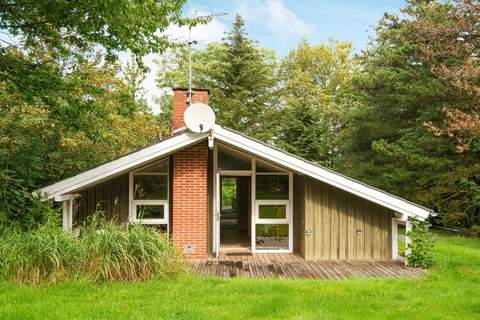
122,164
321,173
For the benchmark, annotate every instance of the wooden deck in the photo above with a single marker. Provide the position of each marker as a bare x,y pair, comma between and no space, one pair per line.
293,266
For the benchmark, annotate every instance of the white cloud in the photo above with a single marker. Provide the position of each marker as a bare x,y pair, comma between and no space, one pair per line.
279,19
283,21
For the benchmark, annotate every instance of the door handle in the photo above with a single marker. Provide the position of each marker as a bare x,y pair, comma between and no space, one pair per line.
308,232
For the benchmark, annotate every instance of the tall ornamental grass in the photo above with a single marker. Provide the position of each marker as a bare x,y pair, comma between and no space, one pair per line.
100,251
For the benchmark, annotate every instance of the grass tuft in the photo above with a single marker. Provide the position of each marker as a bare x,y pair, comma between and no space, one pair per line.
100,251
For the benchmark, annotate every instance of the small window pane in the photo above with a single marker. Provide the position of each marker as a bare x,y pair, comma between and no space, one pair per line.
150,187
271,236
264,167
228,160
272,187
157,167
150,212
272,211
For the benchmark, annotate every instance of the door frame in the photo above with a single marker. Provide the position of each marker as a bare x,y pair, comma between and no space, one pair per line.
216,201
222,174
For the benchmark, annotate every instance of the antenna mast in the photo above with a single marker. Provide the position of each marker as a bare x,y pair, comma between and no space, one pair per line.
190,42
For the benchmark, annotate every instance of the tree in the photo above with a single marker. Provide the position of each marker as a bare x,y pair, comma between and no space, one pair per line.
66,26
315,86
240,78
64,108
396,140
92,118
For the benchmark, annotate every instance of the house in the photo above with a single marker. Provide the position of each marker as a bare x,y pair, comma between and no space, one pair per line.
222,190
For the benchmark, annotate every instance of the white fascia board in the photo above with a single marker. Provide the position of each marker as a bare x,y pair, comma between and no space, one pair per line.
120,165
332,178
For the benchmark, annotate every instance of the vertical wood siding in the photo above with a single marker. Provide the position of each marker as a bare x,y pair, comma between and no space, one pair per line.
343,226
299,214
111,197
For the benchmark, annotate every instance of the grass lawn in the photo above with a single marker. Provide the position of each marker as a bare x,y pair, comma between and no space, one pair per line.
450,291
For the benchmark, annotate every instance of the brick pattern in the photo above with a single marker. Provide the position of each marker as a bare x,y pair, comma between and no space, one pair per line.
180,104
190,200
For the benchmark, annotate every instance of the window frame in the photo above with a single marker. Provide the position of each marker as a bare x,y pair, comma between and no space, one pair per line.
161,202
257,203
285,220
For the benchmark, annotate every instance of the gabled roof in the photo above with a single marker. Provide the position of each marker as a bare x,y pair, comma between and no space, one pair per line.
242,142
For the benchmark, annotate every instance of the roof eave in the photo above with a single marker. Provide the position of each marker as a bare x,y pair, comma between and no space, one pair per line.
120,165
317,172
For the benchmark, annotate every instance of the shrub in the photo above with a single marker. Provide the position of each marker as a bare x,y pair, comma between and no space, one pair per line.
476,230
101,251
421,245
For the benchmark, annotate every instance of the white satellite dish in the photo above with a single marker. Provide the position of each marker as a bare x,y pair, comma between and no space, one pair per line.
199,117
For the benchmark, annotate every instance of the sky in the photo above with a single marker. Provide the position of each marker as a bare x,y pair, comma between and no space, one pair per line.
280,25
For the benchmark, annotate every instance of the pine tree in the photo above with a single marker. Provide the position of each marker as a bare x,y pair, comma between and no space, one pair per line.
240,77
397,142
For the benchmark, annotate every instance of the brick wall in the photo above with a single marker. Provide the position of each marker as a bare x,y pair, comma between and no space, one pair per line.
190,189
180,104
190,200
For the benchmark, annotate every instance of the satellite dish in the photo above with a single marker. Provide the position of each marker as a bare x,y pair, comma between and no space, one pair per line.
199,117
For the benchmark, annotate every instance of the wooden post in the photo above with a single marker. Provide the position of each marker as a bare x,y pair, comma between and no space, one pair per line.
67,213
394,239
408,228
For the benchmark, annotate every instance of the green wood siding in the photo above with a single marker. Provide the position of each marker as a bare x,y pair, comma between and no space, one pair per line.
343,226
299,214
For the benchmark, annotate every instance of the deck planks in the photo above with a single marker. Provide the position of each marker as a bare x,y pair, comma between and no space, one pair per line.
293,266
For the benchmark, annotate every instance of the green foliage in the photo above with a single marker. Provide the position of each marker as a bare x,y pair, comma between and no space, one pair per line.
421,253
476,230
388,142
450,291
100,251
229,192
240,77
64,106
82,115
315,83
66,26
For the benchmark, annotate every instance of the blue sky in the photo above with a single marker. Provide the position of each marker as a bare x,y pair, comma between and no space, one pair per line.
281,24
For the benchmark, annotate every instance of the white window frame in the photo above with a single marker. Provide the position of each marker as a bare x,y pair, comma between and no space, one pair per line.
165,219
285,203
164,202
257,203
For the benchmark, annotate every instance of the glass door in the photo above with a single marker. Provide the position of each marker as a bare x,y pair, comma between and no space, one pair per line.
272,210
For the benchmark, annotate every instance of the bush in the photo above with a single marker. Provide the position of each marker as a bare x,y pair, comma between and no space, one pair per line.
475,230
100,251
421,245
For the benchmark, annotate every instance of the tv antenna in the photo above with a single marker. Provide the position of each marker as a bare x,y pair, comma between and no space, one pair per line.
191,42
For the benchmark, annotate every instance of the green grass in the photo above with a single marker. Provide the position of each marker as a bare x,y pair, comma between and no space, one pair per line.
450,291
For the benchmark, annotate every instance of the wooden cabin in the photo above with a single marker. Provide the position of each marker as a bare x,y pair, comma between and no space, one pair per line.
221,191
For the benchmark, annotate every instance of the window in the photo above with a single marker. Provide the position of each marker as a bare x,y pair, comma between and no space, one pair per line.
231,160
272,187
272,208
149,194
272,236
150,212
150,186
272,211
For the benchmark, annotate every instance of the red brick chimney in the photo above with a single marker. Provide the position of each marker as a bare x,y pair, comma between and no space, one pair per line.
181,103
